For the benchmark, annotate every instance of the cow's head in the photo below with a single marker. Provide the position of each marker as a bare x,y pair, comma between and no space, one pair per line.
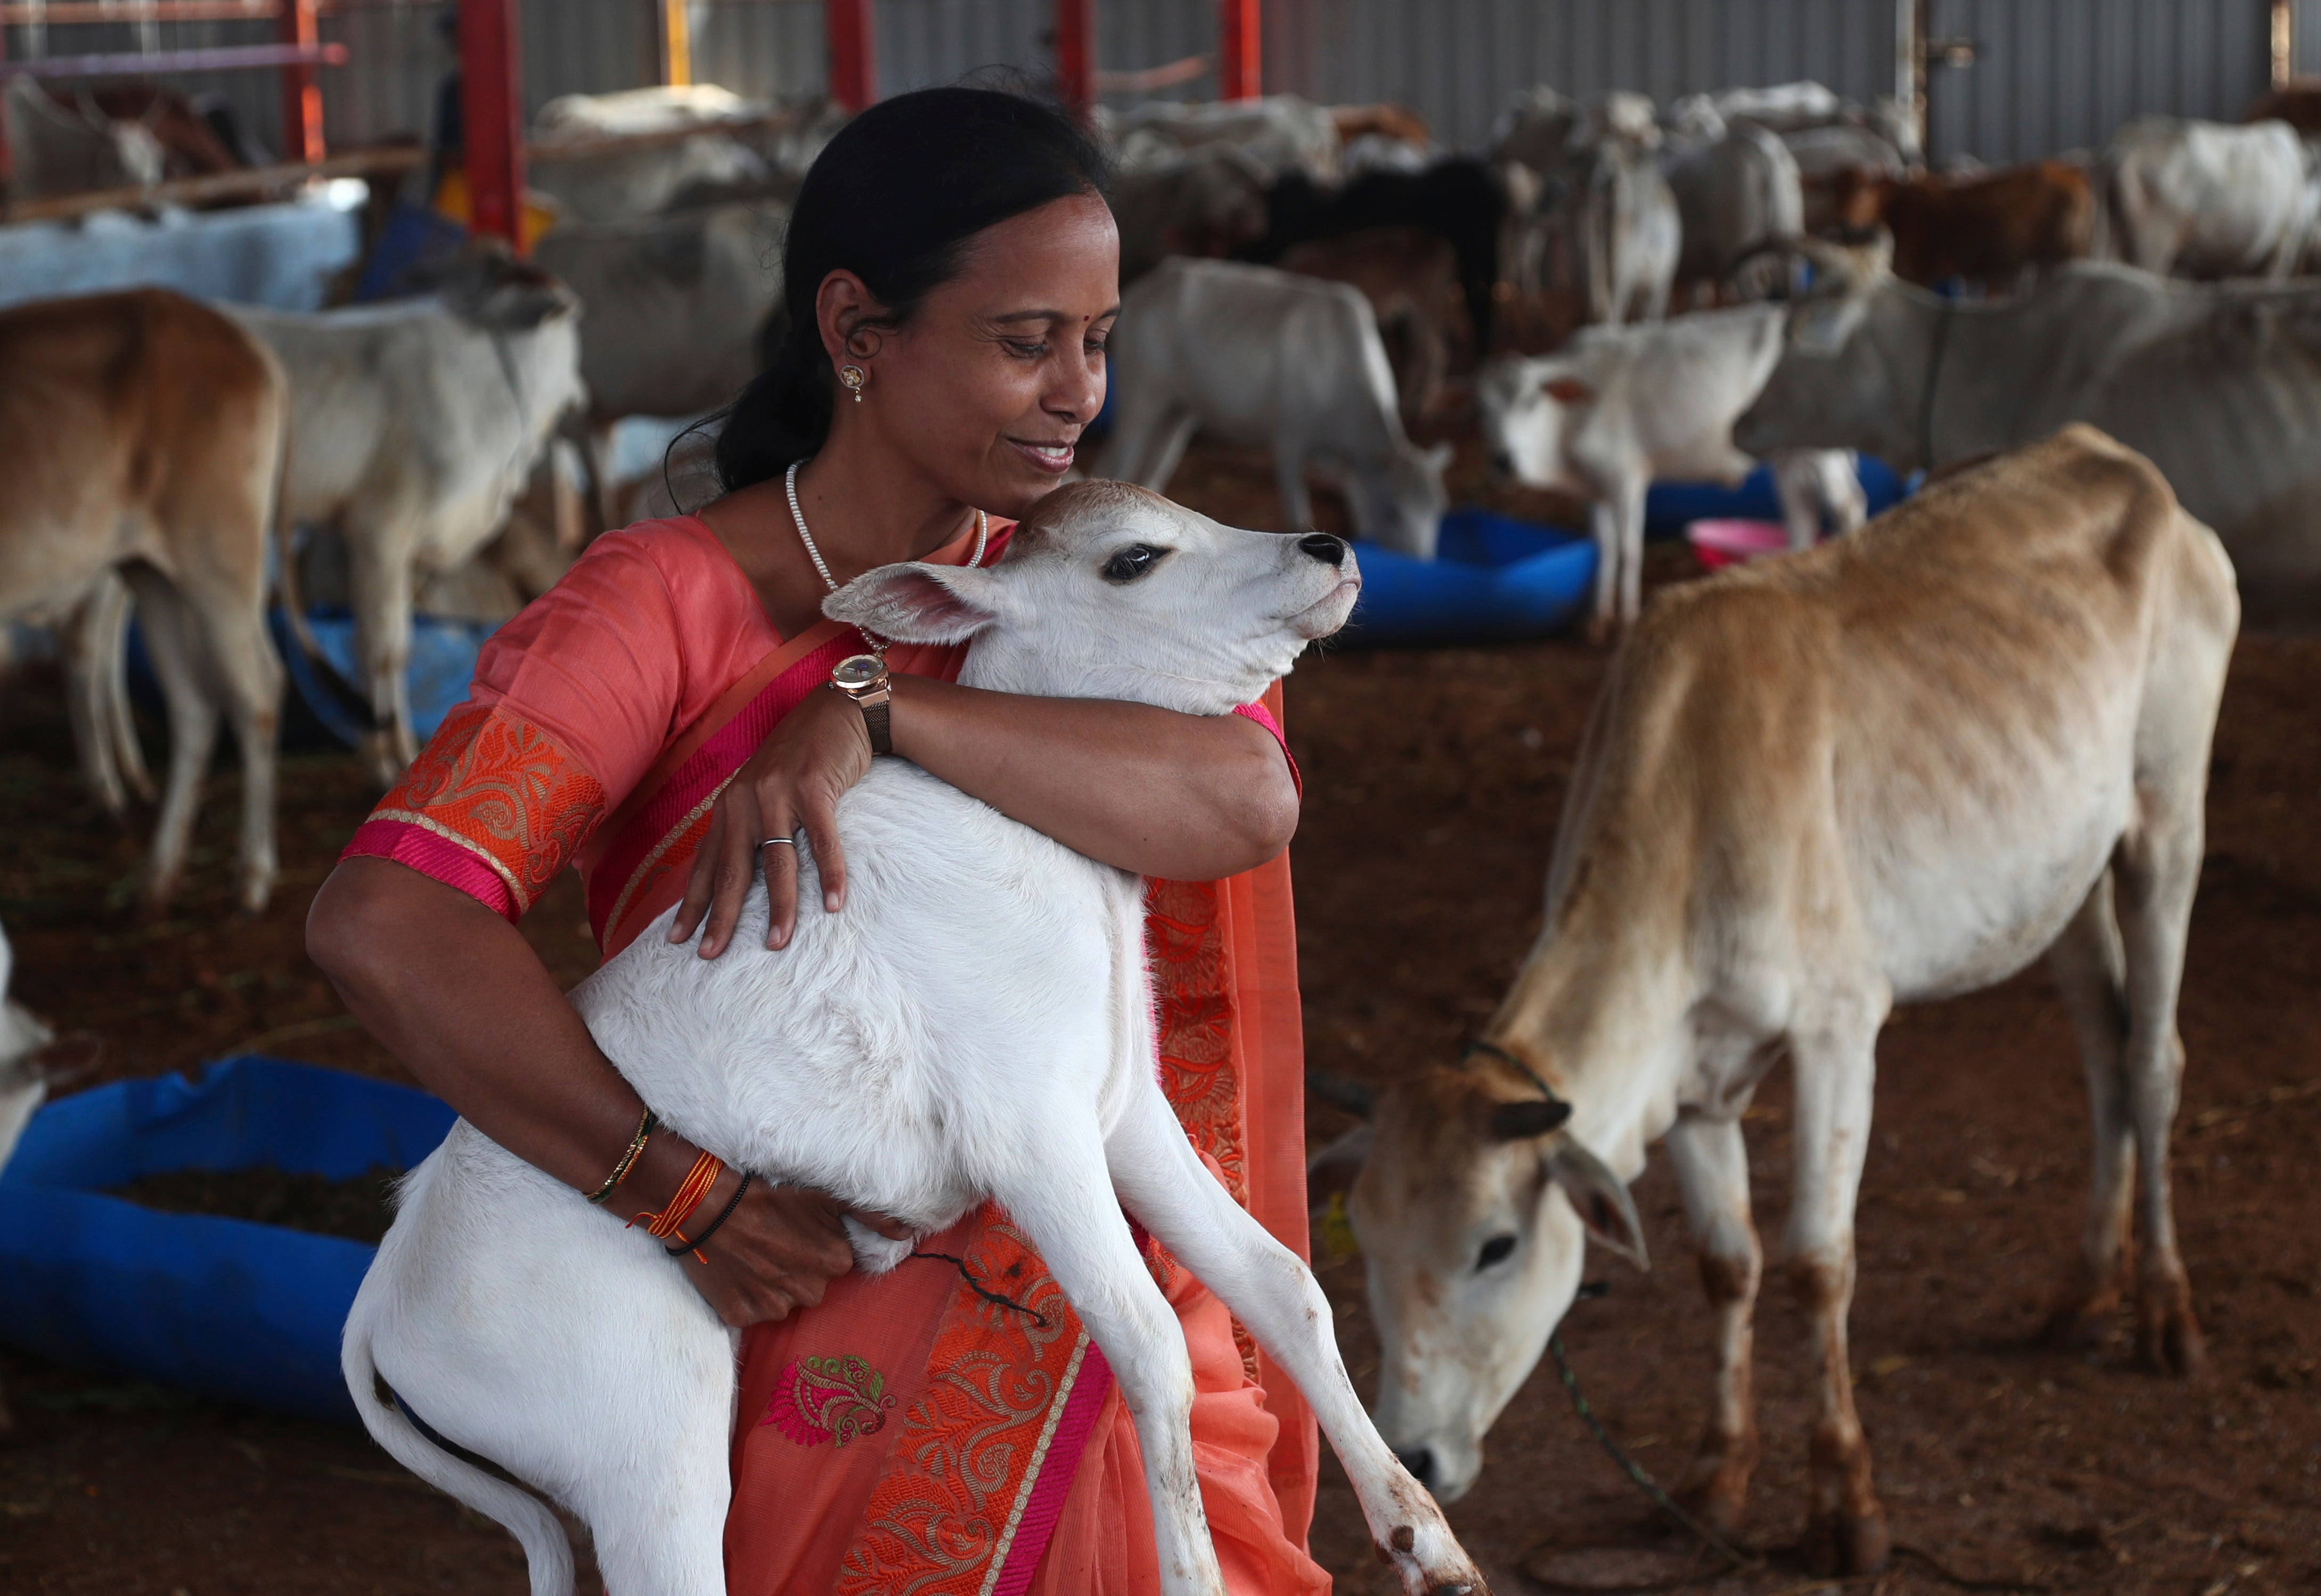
1832,390
1401,506
1472,1200
1109,590
1530,408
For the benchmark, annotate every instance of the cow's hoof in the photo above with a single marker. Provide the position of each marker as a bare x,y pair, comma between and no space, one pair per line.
1717,1492
1842,1545
2168,1339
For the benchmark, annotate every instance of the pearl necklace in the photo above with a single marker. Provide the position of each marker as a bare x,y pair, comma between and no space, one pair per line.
877,644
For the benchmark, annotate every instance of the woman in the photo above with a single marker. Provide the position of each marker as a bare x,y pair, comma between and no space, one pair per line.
660,721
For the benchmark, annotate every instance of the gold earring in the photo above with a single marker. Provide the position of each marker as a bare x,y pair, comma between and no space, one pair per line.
853,377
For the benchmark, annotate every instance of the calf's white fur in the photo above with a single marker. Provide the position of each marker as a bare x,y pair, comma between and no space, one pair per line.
1015,1060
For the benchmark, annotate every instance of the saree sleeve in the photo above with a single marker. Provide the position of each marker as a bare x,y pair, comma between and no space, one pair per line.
572,701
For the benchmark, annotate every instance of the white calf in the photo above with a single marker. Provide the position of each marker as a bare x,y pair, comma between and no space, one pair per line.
1264,357
1621,406
413,426
1897,766
1015,1064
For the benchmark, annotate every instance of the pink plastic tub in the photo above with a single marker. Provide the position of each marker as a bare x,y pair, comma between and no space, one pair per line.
1729,542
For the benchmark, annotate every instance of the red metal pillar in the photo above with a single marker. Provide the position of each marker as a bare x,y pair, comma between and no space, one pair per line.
1238,46
302,97
853,52
491,117
7,156
1076,55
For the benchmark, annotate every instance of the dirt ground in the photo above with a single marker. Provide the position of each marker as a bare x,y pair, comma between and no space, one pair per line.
1433,778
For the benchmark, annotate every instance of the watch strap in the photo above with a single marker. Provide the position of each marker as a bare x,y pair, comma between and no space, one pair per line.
875,721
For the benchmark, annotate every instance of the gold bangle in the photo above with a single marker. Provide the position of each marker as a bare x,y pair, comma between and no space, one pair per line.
628,1159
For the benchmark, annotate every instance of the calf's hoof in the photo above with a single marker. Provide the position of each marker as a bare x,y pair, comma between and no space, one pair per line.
1717,1494
1428,1560
2168,1339
1847,1546
2080,1323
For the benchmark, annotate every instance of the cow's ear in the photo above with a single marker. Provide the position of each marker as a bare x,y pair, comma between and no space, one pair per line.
1601,1199
1569,390
919,603
1331,1173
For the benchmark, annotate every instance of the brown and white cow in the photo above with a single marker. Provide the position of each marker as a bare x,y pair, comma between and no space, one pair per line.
143,434
1897,766
1994,227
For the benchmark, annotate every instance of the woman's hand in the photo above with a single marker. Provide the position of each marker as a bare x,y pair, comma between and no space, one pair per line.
793,780
779,1251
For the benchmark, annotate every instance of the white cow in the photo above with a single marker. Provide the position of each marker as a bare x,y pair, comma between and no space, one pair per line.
1896,767
1629,231
2219,384
1262,357
415,425
1017,1067
2204,199
1619,407
1820,491
1281,132
676,308
1738,199
623,186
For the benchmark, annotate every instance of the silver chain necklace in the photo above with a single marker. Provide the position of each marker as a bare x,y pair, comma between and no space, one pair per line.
877,643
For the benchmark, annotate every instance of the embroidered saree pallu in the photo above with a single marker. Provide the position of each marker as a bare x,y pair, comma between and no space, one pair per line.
947,1428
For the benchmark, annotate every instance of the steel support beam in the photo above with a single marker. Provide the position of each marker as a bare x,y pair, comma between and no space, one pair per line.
1239,44
676,42
853,52
491,117
302,97
1076,55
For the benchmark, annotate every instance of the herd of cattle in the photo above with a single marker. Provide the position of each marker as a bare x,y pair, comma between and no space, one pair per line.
1319,282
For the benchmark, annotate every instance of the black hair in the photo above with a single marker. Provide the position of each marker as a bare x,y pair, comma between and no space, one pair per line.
894,198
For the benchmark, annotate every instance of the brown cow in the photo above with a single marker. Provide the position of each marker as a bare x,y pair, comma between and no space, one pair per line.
1996,228
2298,103
1411,278
143,432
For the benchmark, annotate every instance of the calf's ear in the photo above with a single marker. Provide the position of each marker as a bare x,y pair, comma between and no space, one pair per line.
1601,1199
1568,390
1331,1173
918,604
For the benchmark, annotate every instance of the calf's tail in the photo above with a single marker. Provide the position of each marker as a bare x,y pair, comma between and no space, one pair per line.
547,1552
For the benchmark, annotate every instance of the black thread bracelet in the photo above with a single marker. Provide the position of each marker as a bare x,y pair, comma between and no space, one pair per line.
724,1213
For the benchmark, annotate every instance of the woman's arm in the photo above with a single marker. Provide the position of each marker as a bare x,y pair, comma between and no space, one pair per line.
1183,797
457,993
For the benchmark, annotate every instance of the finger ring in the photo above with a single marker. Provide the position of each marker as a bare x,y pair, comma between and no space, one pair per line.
778,842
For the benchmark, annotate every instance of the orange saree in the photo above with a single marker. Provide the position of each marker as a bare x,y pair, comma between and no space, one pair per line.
947,1428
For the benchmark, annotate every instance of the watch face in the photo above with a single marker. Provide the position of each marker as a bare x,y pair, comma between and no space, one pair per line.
858,671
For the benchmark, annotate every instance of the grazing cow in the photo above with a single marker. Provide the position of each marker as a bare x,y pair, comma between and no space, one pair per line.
1737,199
1262,358
677,308
1460,200
623,186
2204,199
2218,384
1896,767
1820,491
1619,407
1108,592
1411,279
1207,202
416,425
1998,228
143,432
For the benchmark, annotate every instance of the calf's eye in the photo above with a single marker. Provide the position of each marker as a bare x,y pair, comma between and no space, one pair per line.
1131,562
1497,1250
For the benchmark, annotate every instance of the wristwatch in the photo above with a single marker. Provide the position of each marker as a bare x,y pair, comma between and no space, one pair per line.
862,677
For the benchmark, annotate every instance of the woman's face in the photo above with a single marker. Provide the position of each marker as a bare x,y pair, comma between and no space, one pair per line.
985,388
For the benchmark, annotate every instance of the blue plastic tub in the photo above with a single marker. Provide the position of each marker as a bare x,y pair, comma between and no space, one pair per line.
1492,578
1669,507
443,651
224,1306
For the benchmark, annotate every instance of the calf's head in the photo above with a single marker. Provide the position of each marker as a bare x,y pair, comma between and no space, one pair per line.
1530,409
1400,507
1472,1200
1108,591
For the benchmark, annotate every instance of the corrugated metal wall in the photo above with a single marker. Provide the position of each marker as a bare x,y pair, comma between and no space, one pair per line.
2047,75
2305,39
2057,74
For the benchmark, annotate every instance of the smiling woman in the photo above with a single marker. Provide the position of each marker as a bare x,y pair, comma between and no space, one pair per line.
667,721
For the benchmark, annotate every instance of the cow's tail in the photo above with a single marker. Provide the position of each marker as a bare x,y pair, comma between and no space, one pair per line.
547,1552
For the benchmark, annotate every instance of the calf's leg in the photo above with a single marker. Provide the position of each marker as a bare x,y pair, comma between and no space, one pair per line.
1834,1065
1163,1183
2091,970
1712,1167
1062,1199
171,638
380,579
248,676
